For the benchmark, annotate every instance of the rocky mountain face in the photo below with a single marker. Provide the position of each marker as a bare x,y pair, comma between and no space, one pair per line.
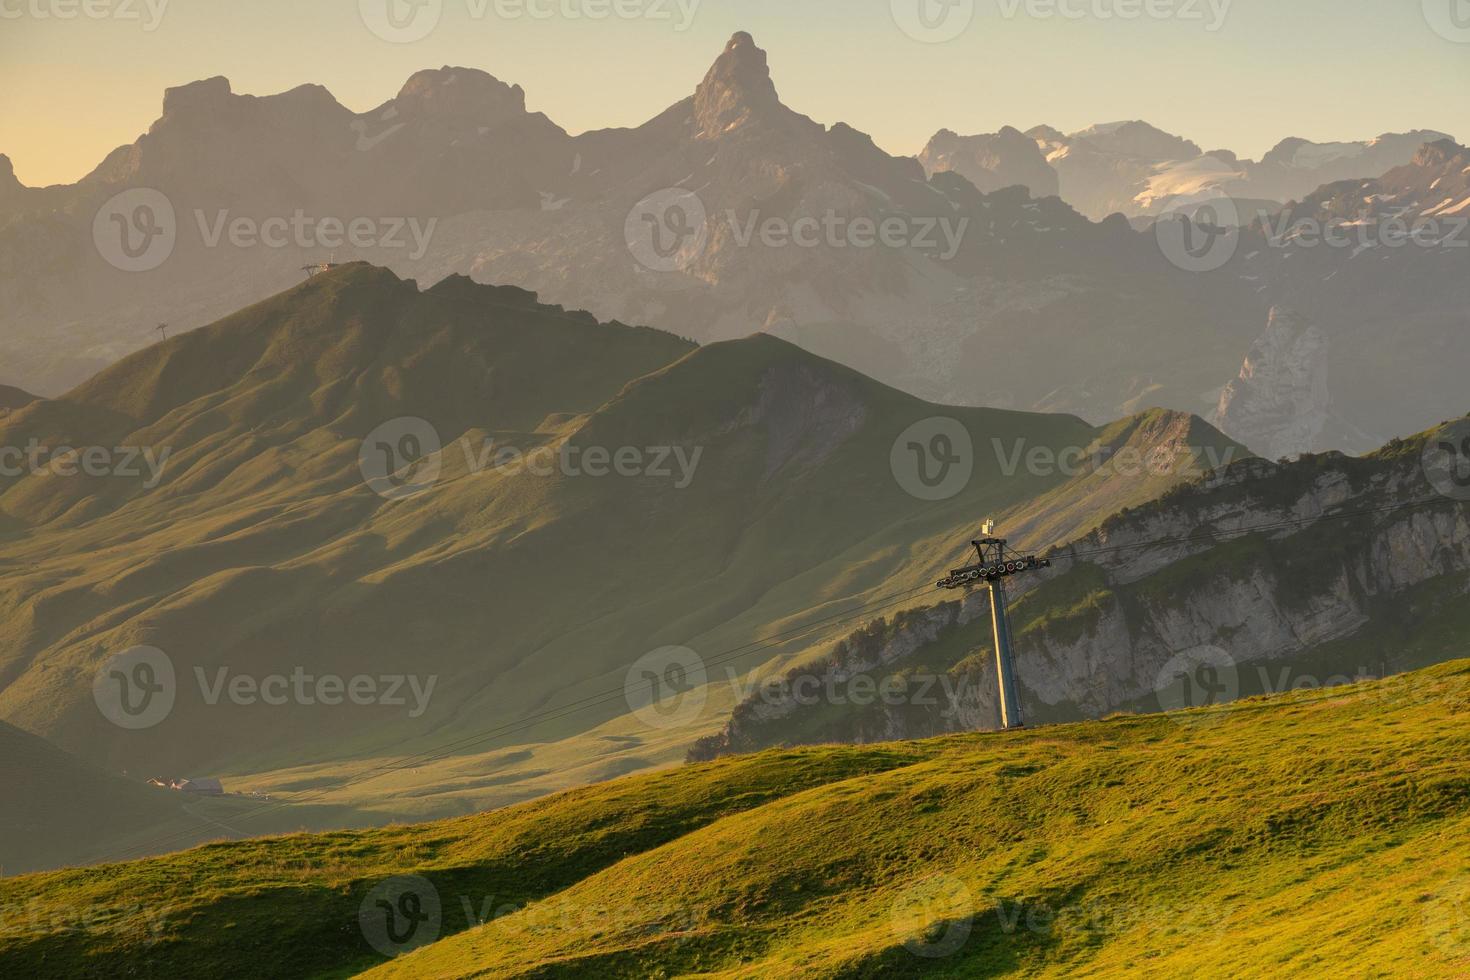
1383,267
1263,578
1295,168
1103,169
992,161
1431,188
1280,404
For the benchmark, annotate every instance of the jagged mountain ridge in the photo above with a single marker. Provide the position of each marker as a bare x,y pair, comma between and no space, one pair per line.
990,299
1138,170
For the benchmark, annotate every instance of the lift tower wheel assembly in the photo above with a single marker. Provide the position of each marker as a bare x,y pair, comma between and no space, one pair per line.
993,568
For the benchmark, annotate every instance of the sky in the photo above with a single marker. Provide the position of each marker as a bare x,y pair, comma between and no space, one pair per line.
80,77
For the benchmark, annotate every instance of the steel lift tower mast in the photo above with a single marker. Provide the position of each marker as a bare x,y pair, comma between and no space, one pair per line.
994,567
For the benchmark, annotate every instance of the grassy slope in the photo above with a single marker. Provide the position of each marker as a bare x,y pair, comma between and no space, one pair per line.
263,523
1322,832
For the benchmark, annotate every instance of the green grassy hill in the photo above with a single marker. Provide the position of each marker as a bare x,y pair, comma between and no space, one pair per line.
1318,833
261,549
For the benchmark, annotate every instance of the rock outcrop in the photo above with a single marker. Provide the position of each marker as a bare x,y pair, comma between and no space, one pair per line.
1275,576
992,161
1280,405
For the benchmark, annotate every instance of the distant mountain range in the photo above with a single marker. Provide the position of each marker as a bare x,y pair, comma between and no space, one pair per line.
727,214
1135,169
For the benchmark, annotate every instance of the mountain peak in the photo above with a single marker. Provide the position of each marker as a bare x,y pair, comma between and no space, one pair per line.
202,94
453,91
737,88
1438,153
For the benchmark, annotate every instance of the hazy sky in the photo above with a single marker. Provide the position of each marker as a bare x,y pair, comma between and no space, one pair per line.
79,77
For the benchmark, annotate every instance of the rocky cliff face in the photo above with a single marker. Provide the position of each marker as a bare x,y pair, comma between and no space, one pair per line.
992,161
1319,571
1279,405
